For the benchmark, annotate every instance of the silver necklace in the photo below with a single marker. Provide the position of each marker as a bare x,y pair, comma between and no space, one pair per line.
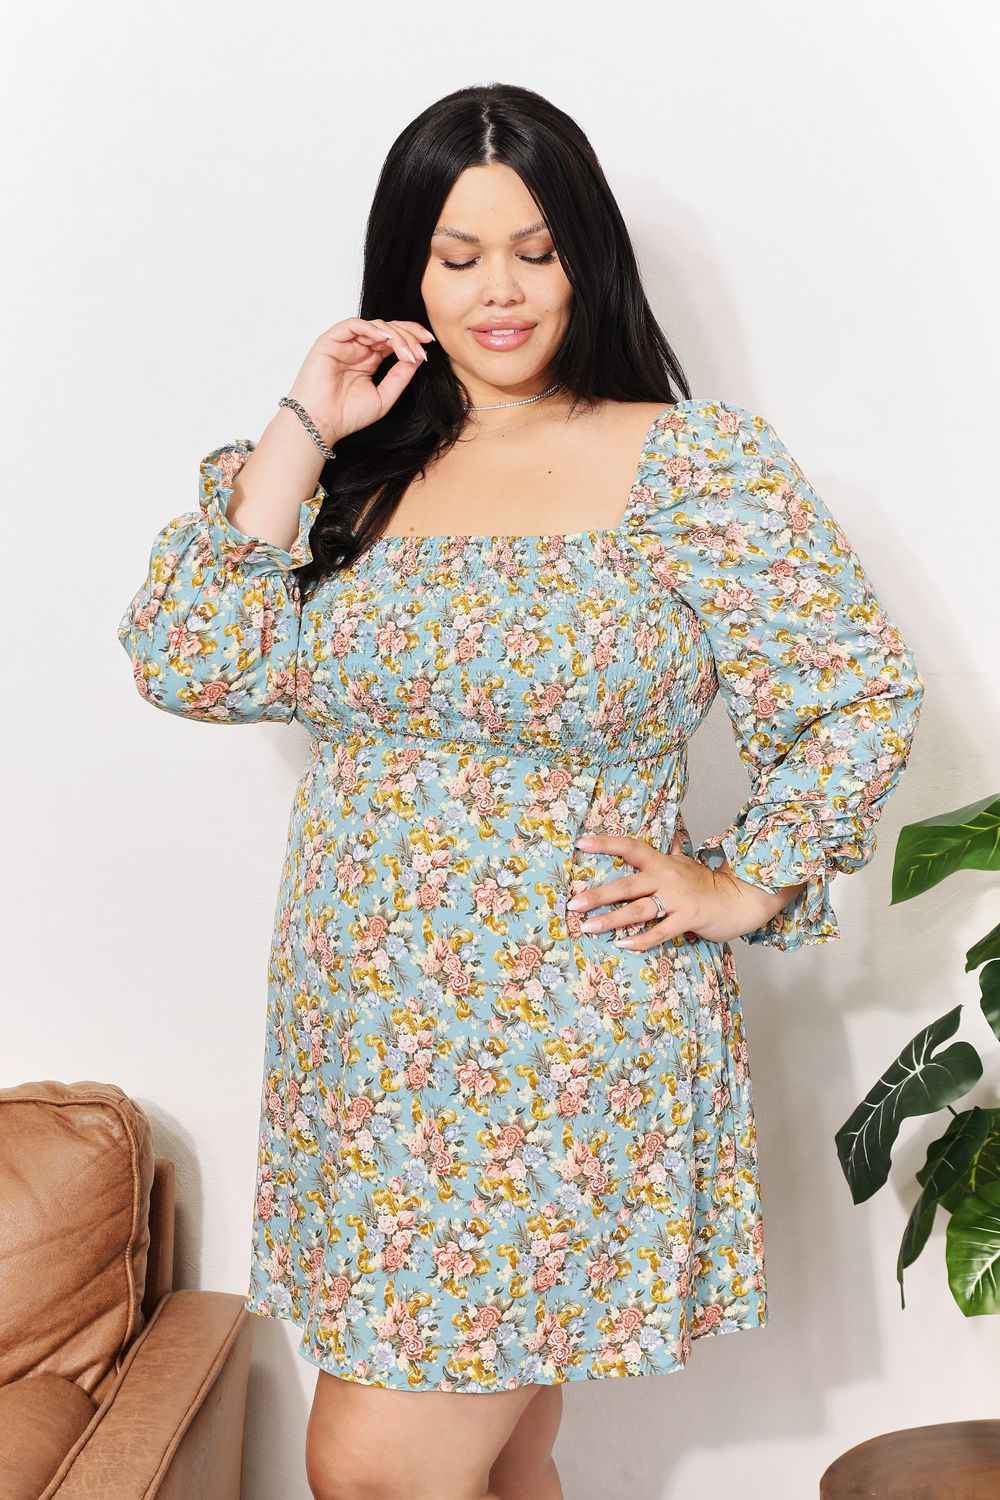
524,402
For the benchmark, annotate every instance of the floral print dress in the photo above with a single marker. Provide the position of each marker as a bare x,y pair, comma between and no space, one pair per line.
495,1149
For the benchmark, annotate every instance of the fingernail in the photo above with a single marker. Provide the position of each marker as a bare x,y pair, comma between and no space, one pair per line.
583,841
408,354
578,903
424,353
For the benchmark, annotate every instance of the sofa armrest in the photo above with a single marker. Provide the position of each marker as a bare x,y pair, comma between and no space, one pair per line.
172,1423
160,1259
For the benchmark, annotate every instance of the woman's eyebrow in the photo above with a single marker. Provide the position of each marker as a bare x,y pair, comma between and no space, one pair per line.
473,239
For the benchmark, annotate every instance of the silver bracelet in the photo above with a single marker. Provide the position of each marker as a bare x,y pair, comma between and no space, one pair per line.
308,424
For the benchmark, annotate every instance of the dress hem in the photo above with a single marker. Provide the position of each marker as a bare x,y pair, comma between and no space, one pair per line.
577,1374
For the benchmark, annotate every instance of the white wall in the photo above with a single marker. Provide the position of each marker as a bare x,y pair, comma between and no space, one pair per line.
812,194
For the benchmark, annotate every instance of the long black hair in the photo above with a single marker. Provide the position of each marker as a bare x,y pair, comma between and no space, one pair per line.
613,349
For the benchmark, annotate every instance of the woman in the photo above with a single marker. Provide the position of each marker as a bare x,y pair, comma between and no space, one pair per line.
499,568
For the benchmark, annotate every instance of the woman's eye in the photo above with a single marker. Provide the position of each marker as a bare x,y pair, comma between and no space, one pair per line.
533,260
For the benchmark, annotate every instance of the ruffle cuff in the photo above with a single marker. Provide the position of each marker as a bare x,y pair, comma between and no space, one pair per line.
769,849
235,548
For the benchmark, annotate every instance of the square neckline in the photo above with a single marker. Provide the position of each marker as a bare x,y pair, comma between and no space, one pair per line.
544,536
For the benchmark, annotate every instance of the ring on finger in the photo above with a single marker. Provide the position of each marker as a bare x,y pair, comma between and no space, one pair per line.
661,910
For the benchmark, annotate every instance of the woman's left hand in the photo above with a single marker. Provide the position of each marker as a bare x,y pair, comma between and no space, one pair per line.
711,904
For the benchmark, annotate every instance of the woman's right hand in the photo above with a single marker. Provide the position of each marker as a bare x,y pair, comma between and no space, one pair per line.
335,382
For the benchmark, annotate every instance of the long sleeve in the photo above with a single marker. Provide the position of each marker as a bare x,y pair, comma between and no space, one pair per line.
823,693
213,631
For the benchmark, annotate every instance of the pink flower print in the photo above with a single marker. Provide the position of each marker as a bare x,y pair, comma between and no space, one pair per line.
614,1004
595,1176
706,539
265,1201
472,1079
209,695
623,1097
557,781
571,1101
781,573
144,617
605,650
487,1319
485,800
316,1048
431,891
279,1266
646,638
799,515
376,928
735,596
765,702
678,468
455,1262
628,1322
357,1111
814,752
559,1349
492,899
390,639
529,957
350,874
510,1140
139,677
519,642
652,1145
875,787
459,982
417,1074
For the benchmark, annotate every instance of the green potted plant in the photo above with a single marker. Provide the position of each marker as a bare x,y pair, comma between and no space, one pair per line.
961,1174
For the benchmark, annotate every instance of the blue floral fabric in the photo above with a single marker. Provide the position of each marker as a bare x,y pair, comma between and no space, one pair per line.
496,1149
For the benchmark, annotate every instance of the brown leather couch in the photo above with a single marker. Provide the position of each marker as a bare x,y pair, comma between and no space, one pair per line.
112,1385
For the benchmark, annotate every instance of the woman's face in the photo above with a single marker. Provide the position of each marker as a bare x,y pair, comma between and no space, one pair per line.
505,276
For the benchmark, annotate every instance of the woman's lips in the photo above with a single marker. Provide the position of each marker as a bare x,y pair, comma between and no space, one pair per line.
500,338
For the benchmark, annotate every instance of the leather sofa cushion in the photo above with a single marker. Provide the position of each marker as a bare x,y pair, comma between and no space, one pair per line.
77,1160
41,1418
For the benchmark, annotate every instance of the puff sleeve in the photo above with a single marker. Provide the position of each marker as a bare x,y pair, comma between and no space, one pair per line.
821,689
213,631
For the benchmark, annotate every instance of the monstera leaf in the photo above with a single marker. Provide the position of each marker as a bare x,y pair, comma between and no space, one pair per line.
966,839
948,1161
961,1173
917,1083
972,1251
987,947
989,985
